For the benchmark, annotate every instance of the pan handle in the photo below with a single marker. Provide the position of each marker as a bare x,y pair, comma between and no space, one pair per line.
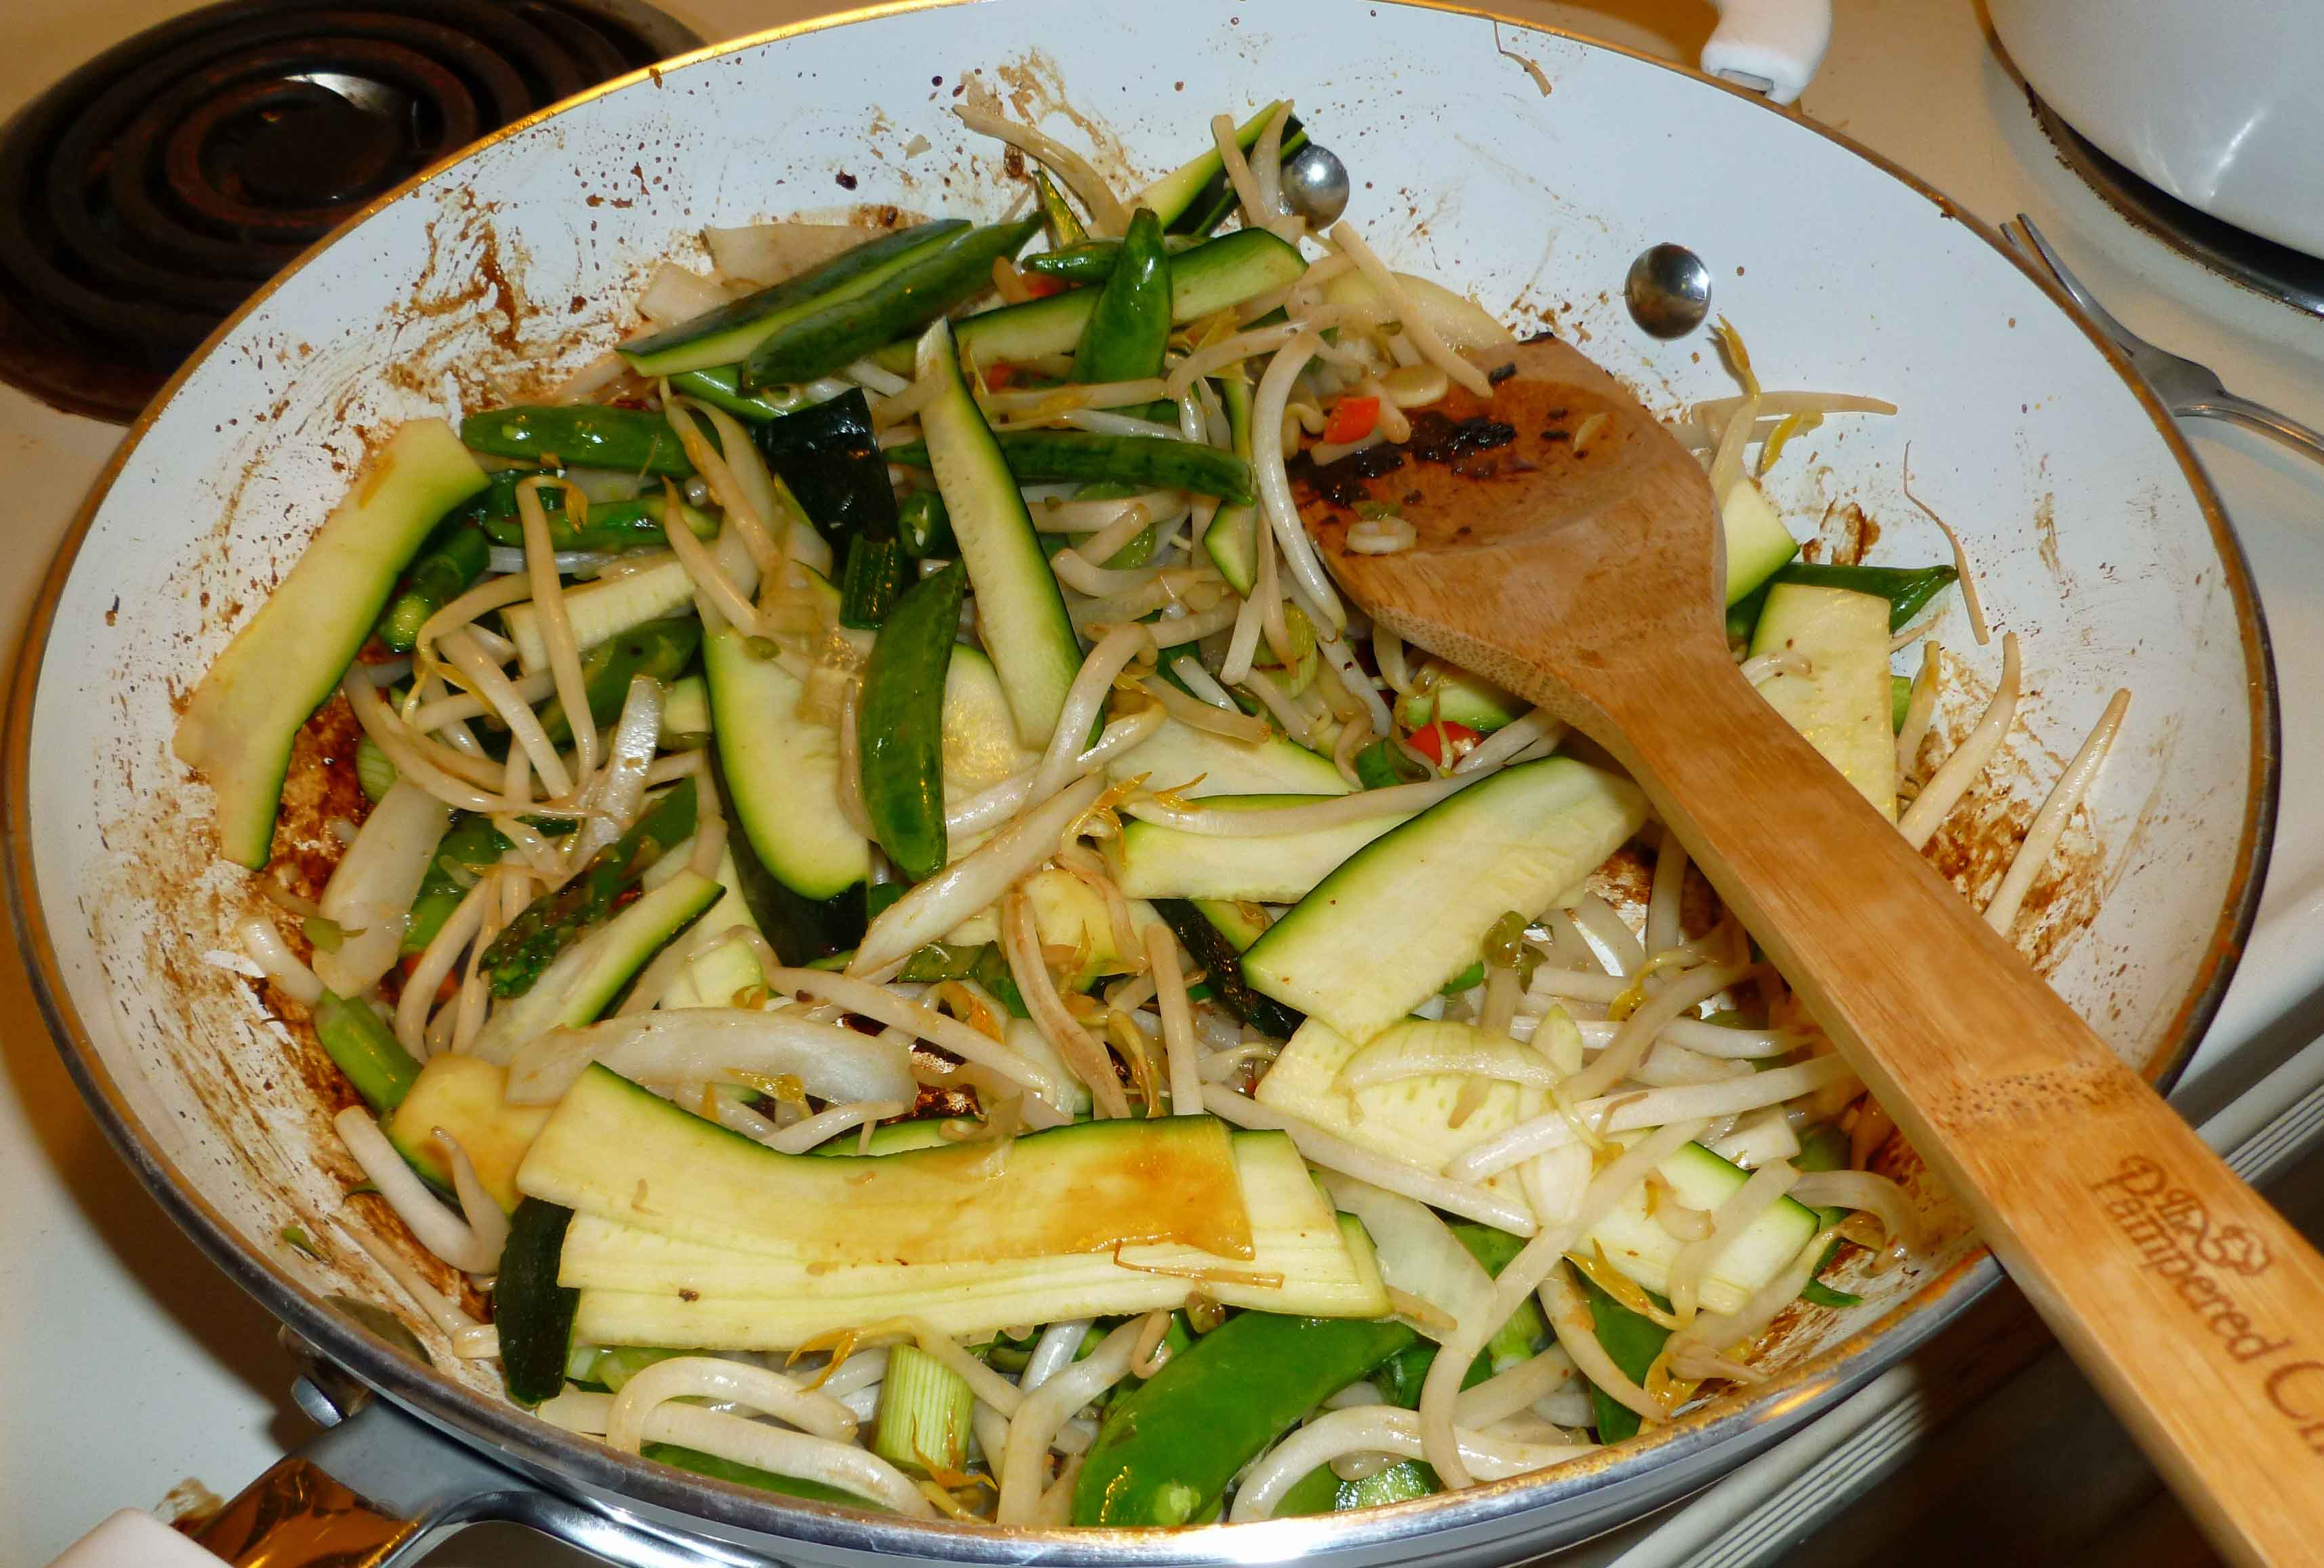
379,1490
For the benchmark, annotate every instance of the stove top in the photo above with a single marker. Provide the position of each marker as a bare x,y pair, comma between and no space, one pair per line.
145,197
2293,277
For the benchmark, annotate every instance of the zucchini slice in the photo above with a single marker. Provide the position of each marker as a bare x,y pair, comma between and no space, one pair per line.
731,332
1757,545
981,747
237,729
782,770
1380,934
1170,862
1232,537
1020,612
1084,1187
1405,1118
1843,703
463,1095
1334,1277
1446,691
1637,1243
1198,764
1178,192
836,331
639,1286
1240,924
1208,278
685,713
534,1310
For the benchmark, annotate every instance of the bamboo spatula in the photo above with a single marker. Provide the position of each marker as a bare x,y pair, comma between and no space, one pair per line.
1578,566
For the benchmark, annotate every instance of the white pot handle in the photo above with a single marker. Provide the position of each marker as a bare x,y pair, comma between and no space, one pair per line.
1770,46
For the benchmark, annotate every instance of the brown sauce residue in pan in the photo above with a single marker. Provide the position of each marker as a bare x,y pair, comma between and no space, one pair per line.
318,789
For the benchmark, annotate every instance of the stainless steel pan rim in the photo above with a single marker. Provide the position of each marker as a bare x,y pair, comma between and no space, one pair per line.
1735,1426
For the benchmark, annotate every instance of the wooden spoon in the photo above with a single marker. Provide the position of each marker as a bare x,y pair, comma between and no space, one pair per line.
1579,565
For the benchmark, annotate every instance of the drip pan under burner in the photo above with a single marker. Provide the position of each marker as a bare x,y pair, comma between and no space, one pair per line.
147,195
2291,277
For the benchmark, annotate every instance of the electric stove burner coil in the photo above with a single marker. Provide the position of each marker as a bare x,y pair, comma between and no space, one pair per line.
147,195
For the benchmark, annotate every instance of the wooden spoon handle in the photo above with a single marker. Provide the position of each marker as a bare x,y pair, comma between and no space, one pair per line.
2195,1308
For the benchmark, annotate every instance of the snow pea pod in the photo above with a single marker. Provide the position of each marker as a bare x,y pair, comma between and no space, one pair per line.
1633,1342
1168,1448
1383,764
827,336
1088,262
719,386
613,525
741,1474
596,436
1129,329
901,723
1151,462
1322,1492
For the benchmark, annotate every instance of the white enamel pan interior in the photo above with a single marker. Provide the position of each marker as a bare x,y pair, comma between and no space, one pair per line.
1527,178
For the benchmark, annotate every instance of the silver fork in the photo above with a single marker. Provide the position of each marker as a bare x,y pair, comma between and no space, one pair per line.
2187,389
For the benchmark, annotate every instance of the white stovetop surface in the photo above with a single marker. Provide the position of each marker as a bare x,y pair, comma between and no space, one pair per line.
126,1364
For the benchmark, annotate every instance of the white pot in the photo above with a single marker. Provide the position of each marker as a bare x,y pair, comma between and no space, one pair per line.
2218,103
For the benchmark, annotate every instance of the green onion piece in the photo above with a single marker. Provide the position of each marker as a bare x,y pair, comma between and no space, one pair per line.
324,933
924,1411
296,1236
1300,673
374,772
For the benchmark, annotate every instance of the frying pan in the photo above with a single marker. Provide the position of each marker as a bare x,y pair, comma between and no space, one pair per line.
1524,168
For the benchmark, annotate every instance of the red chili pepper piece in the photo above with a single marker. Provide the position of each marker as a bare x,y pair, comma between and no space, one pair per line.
1443,741
1351,419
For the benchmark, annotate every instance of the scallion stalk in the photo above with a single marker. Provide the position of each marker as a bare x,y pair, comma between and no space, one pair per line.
924,1414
